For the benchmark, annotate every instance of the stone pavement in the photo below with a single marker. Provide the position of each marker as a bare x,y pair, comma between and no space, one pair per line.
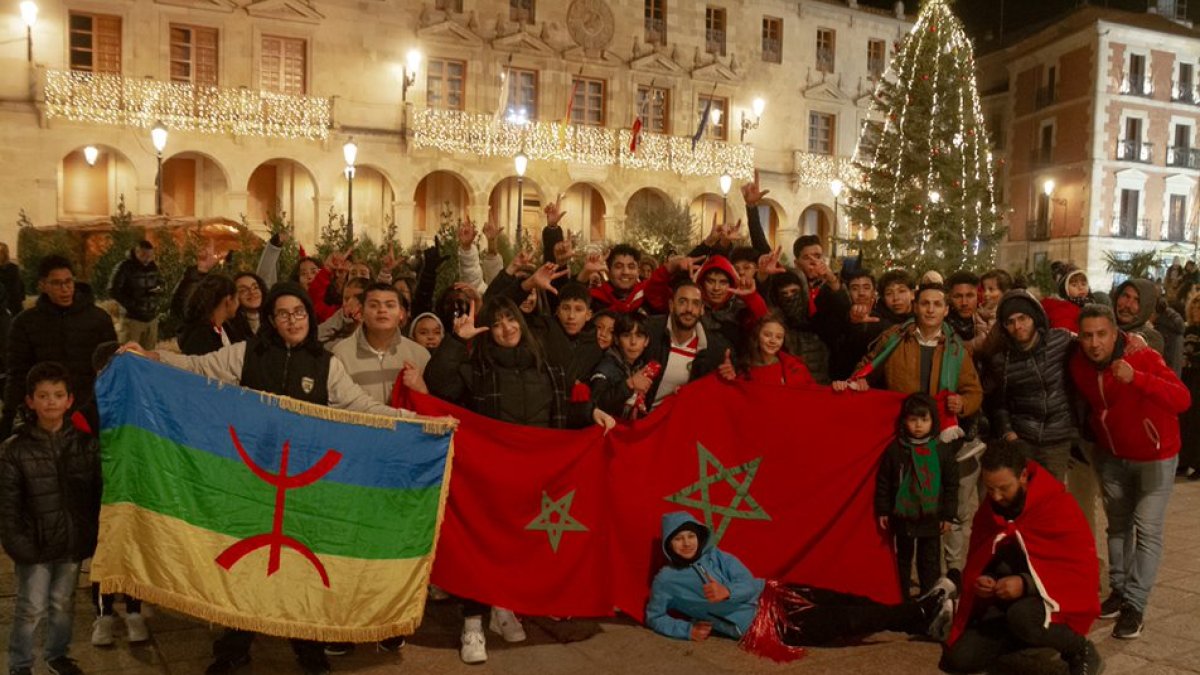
180,646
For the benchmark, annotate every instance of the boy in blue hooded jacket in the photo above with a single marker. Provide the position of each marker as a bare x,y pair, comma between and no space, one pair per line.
703,590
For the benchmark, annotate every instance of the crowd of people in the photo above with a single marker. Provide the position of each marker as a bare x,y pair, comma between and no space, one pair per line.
1019,409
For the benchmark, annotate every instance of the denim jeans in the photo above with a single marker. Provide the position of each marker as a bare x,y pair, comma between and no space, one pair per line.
44,590
1135,501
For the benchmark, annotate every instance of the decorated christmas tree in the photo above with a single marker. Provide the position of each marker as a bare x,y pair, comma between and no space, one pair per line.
926,185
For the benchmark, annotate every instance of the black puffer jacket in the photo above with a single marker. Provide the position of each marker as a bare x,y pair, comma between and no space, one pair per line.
49,495
136,288
1027,390
47,332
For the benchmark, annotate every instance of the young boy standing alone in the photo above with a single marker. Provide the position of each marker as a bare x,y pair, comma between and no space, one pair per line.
49,516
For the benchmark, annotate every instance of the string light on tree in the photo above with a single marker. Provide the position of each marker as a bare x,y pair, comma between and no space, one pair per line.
925,173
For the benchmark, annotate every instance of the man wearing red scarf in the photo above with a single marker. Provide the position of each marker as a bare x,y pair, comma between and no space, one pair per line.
1031,573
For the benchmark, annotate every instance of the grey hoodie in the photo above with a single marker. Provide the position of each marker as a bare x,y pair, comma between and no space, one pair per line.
1147,300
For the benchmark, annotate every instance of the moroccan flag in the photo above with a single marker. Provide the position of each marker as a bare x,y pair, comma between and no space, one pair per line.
264,513
567,523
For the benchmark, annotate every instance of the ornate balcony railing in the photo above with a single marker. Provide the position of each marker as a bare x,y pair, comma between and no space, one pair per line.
127,101
1183,157
478,134
1135,151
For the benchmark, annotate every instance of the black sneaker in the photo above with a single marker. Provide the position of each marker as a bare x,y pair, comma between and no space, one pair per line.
392,644
63,666
222,666
1086,662
338,648
314,665
1111,607
1129,624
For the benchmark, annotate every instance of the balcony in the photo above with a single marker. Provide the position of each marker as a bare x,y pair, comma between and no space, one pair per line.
1137,85
1135,151
138,102
656,31
1183,94
1046,96
825,60
1037,230
1130,228
1183,157
455,131
714,41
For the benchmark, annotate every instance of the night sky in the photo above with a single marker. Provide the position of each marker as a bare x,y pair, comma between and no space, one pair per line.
983,16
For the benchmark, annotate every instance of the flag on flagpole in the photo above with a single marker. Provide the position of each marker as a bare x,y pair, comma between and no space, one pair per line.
635,132
703,123
566,120
501,104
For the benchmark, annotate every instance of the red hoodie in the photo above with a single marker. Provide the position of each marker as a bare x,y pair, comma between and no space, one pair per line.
1137,421
788,371
1058,546
317,289
1062,313
606,295
658,290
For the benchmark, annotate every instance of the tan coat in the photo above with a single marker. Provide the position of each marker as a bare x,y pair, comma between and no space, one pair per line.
902,371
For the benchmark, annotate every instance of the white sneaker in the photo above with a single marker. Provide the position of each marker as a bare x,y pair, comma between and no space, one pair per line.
507,625
102,631
474,643
135,625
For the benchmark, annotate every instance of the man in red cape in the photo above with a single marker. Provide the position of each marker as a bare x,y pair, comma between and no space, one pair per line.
1031,575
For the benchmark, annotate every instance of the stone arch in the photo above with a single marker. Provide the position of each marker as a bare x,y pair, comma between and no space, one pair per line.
503,207
195,184
374,200
289,185
587,205
817,219
437,192
92,191
646,196
774,220
703,207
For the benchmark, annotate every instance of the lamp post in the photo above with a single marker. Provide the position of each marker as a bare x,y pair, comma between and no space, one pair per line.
29,12
835,186
412,61
726,184
350,153
520,163
158,136
90,154
750,124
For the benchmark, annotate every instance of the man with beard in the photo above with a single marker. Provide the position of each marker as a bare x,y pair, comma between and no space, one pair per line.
680,341
964,310
1134,401
1031,574
1135,302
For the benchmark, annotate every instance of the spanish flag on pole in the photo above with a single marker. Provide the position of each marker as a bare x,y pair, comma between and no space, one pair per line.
264,513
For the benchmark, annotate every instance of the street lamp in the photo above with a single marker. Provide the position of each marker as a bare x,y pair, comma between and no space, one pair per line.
726,184
350,153
412,61
90,154
749,124
520,163
836,186
158,136
29,12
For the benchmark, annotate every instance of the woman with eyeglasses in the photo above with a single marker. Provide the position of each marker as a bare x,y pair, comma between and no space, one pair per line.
250,292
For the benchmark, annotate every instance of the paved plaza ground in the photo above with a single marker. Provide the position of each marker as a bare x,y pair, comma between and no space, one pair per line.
180,646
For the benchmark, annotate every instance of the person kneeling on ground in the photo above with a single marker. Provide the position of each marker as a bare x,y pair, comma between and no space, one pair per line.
715,593
1031,573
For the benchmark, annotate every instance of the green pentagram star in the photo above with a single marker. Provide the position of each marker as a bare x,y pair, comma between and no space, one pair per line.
552,527
741,491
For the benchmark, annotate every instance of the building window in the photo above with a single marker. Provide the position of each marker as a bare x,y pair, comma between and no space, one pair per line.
1046,94
876,57
521,11
1044,154
1137,74
654,106
588,106
522,93
194,55
284,65
825,49
445,83
1127,221
1177,218
1185,88
656,22
449,6
95,42
718,117
1180,153
821,127
772,40
714,30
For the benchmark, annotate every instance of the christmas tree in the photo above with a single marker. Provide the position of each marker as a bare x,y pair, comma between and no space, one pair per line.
926,184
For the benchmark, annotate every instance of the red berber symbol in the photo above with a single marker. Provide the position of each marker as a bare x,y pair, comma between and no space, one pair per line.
276,539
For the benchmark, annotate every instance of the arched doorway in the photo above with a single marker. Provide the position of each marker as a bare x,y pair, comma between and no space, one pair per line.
704,208
373,200
585,205
504,203
817,219
194,185
440,196
93,190
646,198
288,186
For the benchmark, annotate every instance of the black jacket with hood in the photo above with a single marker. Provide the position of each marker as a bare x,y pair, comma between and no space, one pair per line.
1027,390
136,288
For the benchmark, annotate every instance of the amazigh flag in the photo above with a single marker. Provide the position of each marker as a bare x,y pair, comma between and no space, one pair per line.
703,123
264,513
567,523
